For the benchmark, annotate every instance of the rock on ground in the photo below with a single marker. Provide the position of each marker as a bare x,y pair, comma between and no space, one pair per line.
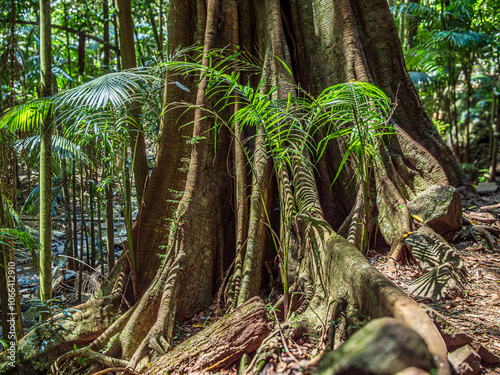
440,208
465,361
383,346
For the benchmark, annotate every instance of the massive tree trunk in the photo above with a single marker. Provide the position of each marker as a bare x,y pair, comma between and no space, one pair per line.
190,223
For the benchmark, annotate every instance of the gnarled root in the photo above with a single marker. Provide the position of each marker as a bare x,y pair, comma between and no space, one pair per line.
90,356
120,339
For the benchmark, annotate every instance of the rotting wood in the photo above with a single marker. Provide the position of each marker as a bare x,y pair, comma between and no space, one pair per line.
220,344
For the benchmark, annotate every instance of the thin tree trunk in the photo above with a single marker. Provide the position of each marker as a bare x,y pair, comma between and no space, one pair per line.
468,93
99,225
82,231
15,176
92,190
9,287
4,294
86,181
412,31
68,245
117,42
75,224
45,157
154,28
137,142
495,119
28,167
110,235
68,50
160,27
105,34
12,283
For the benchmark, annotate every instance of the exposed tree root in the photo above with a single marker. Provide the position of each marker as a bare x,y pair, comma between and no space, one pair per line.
91,357
270,348
46,342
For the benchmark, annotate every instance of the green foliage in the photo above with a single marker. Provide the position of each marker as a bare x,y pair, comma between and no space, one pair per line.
442,127
453,61
28,116
474,173
358,113
355,113
15,238
109,91
5,344
14,233
32,202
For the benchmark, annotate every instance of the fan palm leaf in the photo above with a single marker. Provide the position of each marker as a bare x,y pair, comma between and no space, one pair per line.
110,90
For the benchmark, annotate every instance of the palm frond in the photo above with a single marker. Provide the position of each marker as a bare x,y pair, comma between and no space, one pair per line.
358,114
15,231
110,90
18,238
32,203
62,148
417,11
460,39
28,116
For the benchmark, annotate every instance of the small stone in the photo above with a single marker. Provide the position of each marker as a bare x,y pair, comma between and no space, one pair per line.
487,356
485,188
431,250
441,209
465,361
454,339
68,274
58,234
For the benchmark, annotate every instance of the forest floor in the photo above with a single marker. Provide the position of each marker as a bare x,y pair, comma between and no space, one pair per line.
477,313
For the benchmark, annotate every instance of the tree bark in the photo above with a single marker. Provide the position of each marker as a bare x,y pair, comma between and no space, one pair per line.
495,119
105,34
46,129
68,231
110,234
413,23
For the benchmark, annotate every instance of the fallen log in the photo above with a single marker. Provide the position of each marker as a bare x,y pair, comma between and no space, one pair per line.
220,344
